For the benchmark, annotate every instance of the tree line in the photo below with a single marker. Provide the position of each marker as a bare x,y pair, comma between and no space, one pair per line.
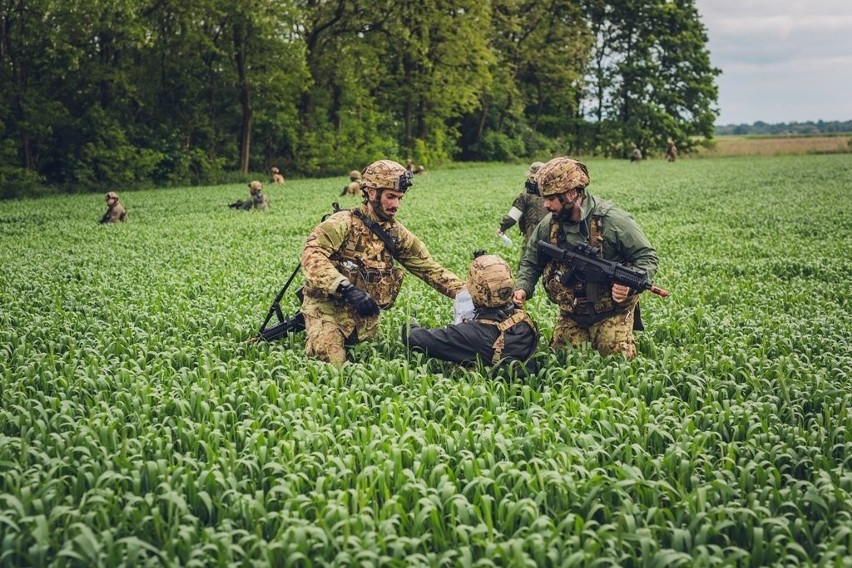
179,92
761,128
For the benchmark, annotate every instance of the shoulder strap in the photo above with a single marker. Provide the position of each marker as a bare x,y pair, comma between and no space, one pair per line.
378,231
510,322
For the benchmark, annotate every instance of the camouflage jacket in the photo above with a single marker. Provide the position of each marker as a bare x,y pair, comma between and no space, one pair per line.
354,188
114,214
527,211
342,246
259,201
622,240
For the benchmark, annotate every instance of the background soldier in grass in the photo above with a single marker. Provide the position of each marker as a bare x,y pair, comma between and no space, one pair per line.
601,313
115,212
671,152
498,333
348,263
256,200
354,187
276,178
527,208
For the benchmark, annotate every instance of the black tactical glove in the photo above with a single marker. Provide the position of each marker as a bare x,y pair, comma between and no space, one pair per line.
363,303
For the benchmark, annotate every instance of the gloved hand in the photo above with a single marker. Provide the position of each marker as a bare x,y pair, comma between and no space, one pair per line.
363,303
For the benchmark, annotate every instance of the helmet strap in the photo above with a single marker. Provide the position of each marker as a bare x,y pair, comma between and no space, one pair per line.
376,204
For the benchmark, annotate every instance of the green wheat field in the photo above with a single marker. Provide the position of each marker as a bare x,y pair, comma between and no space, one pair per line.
137,429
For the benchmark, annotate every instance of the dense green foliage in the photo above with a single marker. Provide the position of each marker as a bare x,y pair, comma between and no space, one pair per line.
96,93
136,428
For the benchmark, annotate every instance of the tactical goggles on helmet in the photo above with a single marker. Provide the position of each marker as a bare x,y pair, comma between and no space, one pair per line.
403,183
531,186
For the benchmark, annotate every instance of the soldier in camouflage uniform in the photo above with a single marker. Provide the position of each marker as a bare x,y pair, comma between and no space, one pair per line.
349,271
257,199
115,212
601,313
527,209
276,176
498,334
671,152
354,187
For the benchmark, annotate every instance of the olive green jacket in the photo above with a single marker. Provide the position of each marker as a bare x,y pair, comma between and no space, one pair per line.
623,241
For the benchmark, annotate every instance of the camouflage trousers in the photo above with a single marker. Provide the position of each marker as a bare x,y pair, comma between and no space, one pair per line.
330,328
609,336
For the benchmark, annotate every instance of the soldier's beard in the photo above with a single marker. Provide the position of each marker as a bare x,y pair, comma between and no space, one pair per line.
376,205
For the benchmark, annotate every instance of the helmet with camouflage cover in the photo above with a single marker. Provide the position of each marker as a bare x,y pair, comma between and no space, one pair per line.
354,175
386,174
111,195
489,281
560,175
255,187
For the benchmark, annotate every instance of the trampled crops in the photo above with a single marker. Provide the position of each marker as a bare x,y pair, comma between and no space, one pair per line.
136,429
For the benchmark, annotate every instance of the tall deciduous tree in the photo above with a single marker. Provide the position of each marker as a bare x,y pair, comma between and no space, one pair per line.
650,79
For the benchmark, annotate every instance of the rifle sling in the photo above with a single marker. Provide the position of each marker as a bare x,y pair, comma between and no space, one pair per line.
378,231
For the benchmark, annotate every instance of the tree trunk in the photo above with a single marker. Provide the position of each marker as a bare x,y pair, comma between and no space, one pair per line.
240,49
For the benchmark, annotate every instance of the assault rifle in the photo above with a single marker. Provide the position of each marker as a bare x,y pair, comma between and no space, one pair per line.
588,266
293,324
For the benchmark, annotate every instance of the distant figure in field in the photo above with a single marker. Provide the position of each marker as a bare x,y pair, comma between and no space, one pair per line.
257,199
354,187
671,153
635,154
527,208
115,212
276,175
409,165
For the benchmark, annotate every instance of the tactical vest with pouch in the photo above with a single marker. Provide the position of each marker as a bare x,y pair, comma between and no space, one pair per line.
585,301
365,265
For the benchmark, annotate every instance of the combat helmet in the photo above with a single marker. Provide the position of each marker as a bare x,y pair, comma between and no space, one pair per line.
111,195
386,174
354,175
255,187
560,175
489,282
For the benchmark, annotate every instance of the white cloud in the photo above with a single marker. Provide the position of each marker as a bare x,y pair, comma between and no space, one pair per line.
782,60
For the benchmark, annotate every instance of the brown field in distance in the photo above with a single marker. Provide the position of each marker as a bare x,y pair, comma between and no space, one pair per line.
777,146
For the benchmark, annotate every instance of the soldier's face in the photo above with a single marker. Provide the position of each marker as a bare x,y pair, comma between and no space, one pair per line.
111,200
389,201
552,204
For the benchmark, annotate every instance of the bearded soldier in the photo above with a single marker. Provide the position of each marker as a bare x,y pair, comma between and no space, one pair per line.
497,334
115,212
348,263
527,209
354,187
601,312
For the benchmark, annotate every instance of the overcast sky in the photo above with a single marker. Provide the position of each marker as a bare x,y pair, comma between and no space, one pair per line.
781,60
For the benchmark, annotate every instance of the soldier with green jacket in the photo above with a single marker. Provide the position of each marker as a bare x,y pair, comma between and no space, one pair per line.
601,313
348,263
527,208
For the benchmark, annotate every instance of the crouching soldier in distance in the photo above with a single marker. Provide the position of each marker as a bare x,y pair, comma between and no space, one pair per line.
498,333
115,212
348,263
257,200
276,176
354,187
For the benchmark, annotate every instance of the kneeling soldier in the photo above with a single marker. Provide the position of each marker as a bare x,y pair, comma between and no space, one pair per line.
348,263
115,212
498,334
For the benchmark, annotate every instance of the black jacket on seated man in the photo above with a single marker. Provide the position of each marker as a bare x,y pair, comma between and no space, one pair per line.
474,340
